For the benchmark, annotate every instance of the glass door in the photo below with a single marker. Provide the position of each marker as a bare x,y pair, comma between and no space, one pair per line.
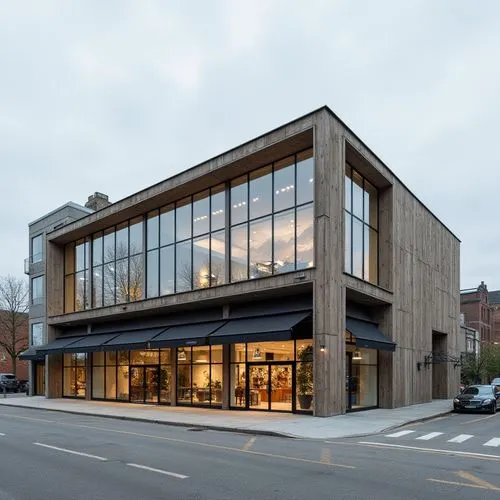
137,384
258,387
348,380
281,387
151,384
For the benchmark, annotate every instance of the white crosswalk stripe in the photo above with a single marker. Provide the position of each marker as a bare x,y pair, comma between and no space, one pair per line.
493,442
399,434
431,435
460,438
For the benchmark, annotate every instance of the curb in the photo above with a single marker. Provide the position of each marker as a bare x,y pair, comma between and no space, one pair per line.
236,430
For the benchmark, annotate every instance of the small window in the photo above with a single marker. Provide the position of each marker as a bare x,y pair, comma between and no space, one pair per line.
37,248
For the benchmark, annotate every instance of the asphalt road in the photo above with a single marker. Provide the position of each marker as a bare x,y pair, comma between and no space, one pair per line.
51,455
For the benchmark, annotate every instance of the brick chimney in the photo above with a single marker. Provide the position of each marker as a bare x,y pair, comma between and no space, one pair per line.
97,201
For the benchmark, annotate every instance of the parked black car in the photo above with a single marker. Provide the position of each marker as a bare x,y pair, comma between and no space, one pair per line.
8,381
478,398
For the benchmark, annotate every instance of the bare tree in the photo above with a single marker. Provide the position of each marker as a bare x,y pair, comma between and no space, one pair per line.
14,295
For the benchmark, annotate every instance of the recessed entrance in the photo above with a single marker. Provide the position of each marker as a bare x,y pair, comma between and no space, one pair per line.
144,384
270,386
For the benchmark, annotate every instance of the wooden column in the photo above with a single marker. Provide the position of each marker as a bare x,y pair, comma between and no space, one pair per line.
329,292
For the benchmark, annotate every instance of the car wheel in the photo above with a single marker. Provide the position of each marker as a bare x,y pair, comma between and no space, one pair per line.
493,408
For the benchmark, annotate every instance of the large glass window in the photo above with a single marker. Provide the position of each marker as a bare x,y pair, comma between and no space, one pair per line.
36,334
280,243
362,377
74,375
361,227
183,246
37,248
199,375
111,371
37,293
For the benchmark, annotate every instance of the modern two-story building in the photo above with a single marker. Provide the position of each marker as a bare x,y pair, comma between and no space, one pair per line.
293,273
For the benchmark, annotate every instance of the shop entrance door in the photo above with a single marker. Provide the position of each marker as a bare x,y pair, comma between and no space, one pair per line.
348,381
144,384
270,386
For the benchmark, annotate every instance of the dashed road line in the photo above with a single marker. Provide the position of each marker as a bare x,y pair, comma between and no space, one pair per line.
2,434
72,452
249,443
326,455
159,471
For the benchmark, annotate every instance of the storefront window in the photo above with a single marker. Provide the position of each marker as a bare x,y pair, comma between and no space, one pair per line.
362,377
199,375
74,375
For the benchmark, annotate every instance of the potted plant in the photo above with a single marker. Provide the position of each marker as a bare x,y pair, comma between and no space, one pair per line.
305,377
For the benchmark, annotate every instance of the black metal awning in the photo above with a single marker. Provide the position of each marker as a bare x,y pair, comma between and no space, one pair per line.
186,335
133,339
368,335
90,343
57,345
258,329
31,354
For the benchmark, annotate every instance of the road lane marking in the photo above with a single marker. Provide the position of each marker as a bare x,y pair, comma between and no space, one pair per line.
478,420
460,438
430,450
493,442
2,434
159,471
72,452
206,445
431,435
399,434
456,483
326,455
476,480
249,443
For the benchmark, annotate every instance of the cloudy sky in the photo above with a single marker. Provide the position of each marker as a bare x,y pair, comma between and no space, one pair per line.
115,96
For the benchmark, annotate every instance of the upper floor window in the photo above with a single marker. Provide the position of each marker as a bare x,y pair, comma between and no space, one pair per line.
361,226
272,218
37,292
36,334
256,225
37,248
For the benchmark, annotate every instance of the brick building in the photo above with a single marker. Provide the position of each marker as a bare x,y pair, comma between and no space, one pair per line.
5,359
475,305
494,301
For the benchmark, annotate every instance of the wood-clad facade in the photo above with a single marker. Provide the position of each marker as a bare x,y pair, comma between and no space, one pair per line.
406,285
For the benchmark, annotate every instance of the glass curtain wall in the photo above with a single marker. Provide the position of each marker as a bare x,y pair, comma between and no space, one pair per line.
361,227
199,376
272,216
271,231
74,375
186,244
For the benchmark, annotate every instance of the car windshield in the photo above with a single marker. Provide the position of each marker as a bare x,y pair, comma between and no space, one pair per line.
482,391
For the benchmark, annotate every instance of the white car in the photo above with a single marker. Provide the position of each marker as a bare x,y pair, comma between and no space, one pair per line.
496,382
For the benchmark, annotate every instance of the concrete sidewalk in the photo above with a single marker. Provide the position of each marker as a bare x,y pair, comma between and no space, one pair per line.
280,424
